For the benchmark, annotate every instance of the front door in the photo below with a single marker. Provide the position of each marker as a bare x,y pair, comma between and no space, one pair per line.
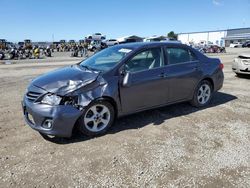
147,86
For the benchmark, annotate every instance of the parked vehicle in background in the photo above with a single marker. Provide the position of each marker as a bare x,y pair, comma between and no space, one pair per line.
3,44
36,52
214,49
199,48
96,36
20,44
241,64
246,44
27,44
120,80
81,42
28,53
72,42
13,53
2,55
62,41
96,45
235,45
47,52
111,42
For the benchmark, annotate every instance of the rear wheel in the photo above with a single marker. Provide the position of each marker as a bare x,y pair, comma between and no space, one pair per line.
202,94
97,118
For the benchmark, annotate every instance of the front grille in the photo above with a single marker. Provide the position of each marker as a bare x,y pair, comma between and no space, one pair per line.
32,96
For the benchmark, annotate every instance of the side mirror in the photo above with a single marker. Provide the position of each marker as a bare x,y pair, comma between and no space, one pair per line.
126,79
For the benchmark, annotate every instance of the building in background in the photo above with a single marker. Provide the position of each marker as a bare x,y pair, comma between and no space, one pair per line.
218,37
131,38
237,35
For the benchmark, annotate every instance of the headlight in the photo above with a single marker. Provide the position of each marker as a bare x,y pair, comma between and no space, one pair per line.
245,62
51,99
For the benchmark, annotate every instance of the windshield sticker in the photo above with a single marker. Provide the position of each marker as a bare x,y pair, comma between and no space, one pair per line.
124,50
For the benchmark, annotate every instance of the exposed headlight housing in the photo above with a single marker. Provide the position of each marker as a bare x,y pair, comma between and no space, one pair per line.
51,99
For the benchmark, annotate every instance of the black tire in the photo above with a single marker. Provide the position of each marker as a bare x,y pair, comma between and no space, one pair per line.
93,49
81,122
195,101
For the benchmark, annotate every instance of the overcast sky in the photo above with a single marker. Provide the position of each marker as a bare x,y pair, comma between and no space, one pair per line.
39,20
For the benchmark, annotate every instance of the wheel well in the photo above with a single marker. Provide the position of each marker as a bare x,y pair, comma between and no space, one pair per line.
111,101
211,81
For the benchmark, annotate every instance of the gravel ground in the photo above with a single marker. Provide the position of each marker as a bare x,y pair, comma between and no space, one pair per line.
174,146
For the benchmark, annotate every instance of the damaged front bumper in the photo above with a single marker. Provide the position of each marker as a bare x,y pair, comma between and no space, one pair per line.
56,120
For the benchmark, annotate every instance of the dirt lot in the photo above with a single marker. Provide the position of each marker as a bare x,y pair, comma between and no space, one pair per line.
174,146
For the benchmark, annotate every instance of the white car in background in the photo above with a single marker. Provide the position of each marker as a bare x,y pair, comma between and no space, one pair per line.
111,42
96,36
236,45
241,64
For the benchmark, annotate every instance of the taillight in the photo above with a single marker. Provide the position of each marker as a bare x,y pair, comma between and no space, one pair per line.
221,66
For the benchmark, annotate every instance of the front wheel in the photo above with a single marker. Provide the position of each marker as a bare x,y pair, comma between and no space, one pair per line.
202,94
97,118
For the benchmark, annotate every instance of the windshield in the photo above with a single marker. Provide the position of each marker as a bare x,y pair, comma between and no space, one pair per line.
106,59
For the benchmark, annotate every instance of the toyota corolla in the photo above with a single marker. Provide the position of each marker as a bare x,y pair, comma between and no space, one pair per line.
118,81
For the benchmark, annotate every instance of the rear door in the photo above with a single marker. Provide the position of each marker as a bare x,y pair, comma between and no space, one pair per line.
183,73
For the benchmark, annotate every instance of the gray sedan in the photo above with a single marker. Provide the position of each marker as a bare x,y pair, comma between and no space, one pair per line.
118,81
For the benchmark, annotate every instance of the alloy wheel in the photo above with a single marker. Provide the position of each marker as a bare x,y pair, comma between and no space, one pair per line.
204,94
97,118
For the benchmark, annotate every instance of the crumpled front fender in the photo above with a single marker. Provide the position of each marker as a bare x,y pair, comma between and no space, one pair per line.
98,89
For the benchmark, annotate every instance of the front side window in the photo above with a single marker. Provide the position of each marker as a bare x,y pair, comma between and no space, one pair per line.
145,60
179,55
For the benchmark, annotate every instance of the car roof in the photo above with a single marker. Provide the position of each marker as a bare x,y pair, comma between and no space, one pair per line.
136,45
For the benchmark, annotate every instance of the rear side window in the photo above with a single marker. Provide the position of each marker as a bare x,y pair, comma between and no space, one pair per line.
179,55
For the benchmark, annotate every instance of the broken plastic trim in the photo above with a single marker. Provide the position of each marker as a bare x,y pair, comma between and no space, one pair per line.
83,96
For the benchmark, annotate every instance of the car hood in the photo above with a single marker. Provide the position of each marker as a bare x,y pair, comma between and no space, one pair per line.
65,80
245,55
